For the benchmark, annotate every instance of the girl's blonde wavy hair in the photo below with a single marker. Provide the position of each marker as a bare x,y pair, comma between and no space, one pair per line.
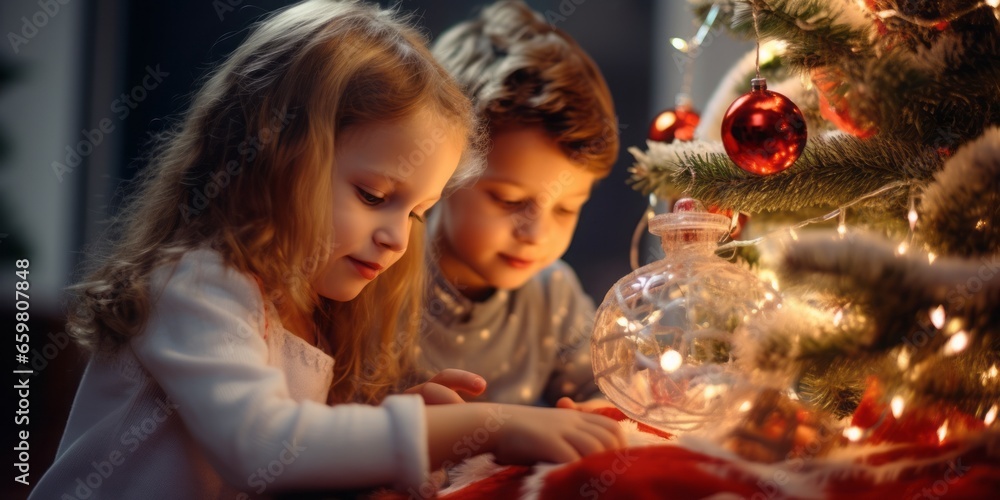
247,172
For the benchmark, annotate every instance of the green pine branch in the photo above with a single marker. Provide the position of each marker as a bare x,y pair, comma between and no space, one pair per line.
832,171
937,87
811,28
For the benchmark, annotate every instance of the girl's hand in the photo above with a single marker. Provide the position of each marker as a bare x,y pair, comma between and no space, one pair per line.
554,435
444,387
586,406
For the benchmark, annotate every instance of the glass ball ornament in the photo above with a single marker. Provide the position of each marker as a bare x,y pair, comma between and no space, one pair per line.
763,131
678,123
662,345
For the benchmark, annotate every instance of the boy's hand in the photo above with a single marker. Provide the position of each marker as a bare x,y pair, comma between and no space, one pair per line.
554,435
586,406
444,387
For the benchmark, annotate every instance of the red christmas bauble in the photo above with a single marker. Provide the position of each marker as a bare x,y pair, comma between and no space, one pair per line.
670,124
763,131
741,219
836,108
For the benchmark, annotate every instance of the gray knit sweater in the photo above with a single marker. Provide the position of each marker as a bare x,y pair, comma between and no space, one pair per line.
532,344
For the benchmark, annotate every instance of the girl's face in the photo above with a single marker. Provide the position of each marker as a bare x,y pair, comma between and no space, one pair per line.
387,176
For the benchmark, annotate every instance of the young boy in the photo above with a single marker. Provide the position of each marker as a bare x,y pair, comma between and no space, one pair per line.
501,303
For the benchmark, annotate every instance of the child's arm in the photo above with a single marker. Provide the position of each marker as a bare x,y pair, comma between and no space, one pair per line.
204,346
516,434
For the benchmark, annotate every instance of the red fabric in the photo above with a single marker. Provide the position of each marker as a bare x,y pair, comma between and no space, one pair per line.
672,471
642,473
916,426
503,484
617,414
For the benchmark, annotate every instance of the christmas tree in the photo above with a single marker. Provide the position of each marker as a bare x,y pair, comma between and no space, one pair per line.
890,322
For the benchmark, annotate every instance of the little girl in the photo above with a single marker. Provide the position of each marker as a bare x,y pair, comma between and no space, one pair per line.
266,278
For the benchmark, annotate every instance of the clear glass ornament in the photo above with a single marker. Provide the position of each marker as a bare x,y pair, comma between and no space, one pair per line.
662,344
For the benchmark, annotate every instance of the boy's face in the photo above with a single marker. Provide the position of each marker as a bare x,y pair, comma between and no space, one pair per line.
517,219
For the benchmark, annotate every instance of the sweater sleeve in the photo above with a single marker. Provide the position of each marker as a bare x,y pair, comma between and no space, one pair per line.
573,375
204,346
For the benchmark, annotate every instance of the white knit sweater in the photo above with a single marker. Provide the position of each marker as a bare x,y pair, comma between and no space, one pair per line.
216,398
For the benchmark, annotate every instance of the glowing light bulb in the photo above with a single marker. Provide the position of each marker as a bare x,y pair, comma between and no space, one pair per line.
793,234
671,360
930,257
897,405
838,317
988,375
679,44
901,249
745,407
912,217
622,321
937,317
712,391
903,360
956,344
841,229
991,416
942,431
853,434
655,316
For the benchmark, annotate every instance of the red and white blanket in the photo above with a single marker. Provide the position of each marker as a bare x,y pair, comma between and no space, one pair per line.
657,465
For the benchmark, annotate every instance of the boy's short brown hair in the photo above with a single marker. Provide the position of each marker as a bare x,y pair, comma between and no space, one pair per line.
521,71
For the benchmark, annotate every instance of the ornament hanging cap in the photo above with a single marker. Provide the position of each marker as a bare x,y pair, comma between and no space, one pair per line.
690,214
757,84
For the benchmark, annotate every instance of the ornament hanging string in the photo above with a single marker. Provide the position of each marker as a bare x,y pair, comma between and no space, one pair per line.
756,34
